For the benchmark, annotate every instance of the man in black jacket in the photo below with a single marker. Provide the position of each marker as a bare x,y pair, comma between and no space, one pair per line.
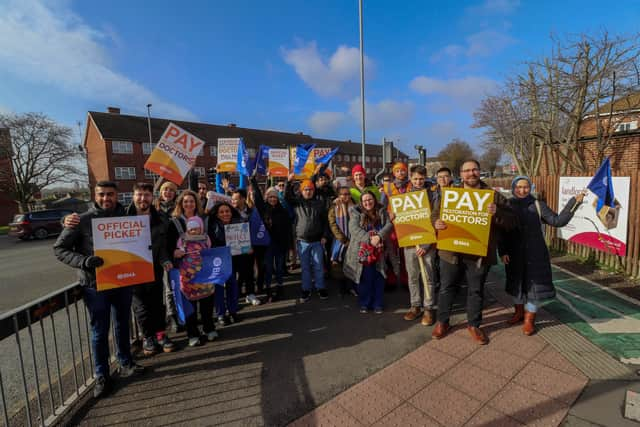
148,298
74,247
311,226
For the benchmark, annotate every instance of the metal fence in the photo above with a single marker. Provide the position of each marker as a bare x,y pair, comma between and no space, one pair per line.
45,358
548,188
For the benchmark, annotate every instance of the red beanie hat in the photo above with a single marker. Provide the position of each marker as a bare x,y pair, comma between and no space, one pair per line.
357,168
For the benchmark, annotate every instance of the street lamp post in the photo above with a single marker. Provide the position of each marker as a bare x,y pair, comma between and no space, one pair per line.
362,82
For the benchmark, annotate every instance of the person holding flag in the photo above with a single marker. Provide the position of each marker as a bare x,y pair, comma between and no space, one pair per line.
524,251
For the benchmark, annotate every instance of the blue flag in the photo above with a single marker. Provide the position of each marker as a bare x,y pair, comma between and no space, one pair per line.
260,162
184,307
327,157
602,185
216,266
302,154
259,233
243,159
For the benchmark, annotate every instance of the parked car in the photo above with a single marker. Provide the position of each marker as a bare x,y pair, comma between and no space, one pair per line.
39,224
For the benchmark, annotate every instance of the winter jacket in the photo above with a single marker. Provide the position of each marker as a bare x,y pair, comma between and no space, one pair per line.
310,216
75,245
159,226
276,219
356,193
352,267
529,269
504,220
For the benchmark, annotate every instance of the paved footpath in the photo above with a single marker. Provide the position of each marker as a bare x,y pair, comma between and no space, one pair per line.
324,364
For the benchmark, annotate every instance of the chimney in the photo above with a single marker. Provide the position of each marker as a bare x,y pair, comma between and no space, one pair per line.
231,125
113,110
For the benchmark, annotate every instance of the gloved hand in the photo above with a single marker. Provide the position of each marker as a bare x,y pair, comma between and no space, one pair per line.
93,261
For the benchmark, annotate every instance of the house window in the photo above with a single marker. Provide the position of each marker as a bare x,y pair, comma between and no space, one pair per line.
368,159
125,173
150,175
200,171
251,151
125,198
213,150
625,127
147,147
122,147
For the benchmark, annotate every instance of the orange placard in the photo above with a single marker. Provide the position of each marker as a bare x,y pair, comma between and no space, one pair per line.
468,222
278,162
228,154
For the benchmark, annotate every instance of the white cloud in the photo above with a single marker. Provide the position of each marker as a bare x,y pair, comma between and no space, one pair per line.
324,122
386,114
481,44
60,50
331,77
466,92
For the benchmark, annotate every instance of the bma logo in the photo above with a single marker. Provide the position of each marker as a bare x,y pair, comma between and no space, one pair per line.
217,262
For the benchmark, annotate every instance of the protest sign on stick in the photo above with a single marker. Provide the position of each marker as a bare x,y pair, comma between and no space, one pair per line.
175,154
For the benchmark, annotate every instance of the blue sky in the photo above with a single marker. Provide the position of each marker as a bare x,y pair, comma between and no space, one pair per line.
281,64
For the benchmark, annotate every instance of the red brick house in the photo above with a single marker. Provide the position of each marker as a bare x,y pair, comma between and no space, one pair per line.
624,144
8,206
117,146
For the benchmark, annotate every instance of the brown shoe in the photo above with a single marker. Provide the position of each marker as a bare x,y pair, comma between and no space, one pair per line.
518,316
427,318
478,335
440,331
529,327
413,313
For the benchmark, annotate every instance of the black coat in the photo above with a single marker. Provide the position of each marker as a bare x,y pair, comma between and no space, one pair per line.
276,219
529,269
75,245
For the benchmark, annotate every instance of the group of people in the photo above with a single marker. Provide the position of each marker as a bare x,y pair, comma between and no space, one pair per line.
344,232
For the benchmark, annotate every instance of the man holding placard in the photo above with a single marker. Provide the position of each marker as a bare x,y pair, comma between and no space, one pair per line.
467,220
75,248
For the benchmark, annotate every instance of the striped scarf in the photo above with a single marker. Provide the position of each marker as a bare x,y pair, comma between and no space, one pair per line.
342,221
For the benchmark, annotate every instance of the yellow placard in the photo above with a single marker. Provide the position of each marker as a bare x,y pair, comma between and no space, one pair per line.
278,162
124,245
413,218
468,222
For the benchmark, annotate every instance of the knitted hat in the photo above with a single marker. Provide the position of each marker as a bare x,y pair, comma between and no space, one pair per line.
307,183
399,165
195,222
518,178
357,168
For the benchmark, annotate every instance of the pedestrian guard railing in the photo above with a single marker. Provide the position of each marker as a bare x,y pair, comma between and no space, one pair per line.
46,368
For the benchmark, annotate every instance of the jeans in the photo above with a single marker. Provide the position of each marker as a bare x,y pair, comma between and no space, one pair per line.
205,306
450,275
101,306
274,256
226,298
243,267
529,305
259,259
311,258
371,288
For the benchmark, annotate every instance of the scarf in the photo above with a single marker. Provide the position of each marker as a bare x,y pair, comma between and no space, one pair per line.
342,221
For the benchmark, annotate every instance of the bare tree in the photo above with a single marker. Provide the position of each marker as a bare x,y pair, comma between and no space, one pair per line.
455,153
490,158
41,154
543,110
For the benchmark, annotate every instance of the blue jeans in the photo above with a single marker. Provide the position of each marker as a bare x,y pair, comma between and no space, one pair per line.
102,305
227,297
530,305
274,256
311,258
371,288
